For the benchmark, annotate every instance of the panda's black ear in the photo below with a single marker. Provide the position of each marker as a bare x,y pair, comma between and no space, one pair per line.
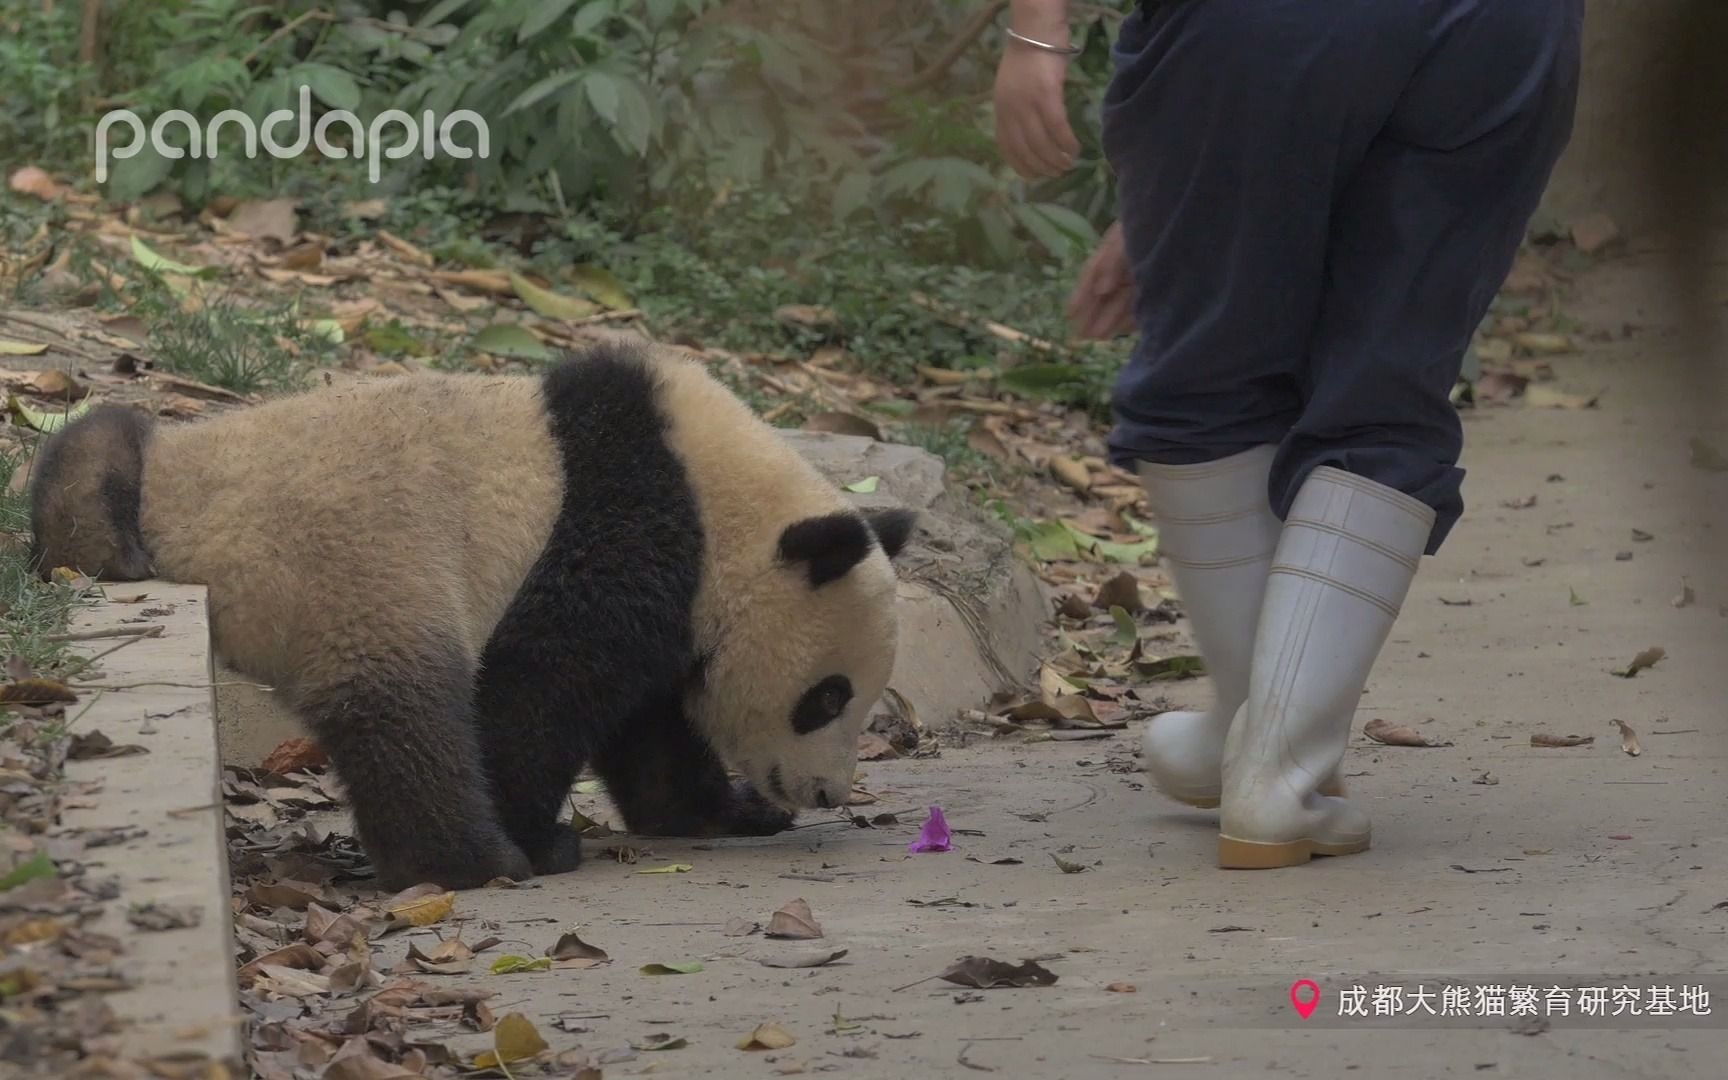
828,546
892,528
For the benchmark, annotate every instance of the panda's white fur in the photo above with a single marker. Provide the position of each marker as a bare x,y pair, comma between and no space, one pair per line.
471,587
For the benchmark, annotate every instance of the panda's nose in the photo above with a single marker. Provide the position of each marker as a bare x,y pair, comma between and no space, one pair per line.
825,800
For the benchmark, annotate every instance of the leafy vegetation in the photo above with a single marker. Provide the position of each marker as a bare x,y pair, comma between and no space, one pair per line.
32,611
723,158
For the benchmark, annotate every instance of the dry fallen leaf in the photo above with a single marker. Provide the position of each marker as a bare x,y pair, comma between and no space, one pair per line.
800,958
1544,739
267,219
1628,738
404,248
768,1036
1686,597
873,747
1069,867
421,905
514,1038
1071,472
794,920
154,916
294,754
818,318
1122,988
571,947
841,423
983,973
1384,731
1121,591
36,692
1648,658
33,181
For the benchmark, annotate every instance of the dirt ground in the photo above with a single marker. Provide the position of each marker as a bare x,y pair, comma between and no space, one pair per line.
1494,861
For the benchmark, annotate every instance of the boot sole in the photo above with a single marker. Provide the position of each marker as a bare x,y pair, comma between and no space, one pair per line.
1236,854
1334,789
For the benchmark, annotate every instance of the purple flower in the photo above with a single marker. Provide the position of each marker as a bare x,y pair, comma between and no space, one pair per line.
934,836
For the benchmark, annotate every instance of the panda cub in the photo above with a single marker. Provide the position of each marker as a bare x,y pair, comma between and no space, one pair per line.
471,587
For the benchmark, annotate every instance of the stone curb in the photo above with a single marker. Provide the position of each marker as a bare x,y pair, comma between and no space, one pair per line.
183,999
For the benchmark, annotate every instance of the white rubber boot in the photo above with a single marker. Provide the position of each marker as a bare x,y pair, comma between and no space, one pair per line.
1348,553
1217,533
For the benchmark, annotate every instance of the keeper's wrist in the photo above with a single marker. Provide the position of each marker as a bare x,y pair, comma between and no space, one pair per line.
1041,20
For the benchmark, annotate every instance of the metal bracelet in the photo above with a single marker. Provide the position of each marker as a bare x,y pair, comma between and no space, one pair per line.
1065,50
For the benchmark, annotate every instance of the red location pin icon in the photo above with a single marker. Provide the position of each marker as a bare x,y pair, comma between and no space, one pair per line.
1304,1009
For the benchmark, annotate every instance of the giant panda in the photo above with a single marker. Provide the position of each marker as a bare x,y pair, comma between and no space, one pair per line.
469,587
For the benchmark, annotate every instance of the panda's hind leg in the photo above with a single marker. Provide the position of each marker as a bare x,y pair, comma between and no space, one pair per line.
400,732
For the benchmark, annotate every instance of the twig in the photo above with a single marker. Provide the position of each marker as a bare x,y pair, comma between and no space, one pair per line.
967,320
1676,731
118,631
969,33
90,33
283,31
621,315
910,985
970,1064
88,660
97,684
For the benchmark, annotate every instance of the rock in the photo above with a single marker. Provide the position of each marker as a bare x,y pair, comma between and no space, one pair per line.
971,611
1593,232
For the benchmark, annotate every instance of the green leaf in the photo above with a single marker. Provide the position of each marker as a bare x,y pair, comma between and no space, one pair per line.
550,304
1058,228
635,126
1577,601
602,285
328,329
510,964
21,348
543,14
1171,667
540,89
1110,550
506,339
441,11
46,422
590,17
686,967
149,260
37,866
851,194
671,868
603,94
588,787
1051,541
866,486
1036,380
130,179
333,86
1126,632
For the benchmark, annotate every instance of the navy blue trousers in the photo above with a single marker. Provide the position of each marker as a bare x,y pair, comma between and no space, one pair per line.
1319,200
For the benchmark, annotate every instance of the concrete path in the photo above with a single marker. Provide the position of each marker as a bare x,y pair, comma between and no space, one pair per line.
1494,862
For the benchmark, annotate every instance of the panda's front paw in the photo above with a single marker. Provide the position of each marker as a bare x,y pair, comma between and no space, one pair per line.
560,854
750,814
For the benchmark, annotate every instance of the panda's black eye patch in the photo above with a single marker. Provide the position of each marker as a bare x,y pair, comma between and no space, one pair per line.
822,704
